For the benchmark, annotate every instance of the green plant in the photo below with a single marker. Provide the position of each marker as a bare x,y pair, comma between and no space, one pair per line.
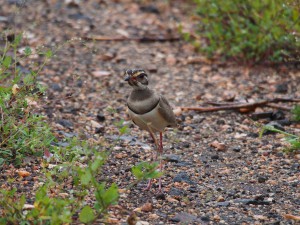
248,30
25,132
81,163
12,207
296,113
145,171
292,139
20,126
123,129
82,171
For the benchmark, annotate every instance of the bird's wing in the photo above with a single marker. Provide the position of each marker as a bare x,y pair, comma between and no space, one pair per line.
165,110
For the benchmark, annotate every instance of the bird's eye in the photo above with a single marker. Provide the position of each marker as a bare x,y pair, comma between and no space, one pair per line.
141,76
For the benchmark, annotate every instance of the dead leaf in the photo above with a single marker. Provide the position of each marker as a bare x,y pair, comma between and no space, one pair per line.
291,217
23,173
15,89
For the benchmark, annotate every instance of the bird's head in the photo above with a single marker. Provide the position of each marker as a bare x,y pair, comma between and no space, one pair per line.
136,78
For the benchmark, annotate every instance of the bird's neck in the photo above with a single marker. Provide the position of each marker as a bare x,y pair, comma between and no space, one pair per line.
140,87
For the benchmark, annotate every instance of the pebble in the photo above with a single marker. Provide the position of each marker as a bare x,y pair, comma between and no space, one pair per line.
282,88
183,177
224,204
65,123
185,217
215,157
172,158
176,192
236,148
262,179
147,207
56,87
100,117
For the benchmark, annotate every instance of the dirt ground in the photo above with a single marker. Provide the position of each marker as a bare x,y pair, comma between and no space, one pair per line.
217,169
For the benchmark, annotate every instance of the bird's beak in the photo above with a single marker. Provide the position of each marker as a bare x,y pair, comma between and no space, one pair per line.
127,78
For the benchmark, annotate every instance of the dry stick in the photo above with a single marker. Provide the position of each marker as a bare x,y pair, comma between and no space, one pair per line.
140,39
230,106
276,106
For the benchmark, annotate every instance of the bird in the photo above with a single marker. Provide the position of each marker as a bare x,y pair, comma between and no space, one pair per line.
149,110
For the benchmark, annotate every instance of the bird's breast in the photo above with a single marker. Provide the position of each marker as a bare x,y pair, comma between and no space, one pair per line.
150,121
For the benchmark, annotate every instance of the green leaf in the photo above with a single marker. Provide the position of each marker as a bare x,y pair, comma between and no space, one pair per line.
86,178
296,112
87,214
7,61
97,163
48,54
27,51
111,195
1,161
137,172
18,39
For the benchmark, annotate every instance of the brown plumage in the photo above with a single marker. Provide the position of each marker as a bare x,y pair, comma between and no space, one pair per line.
147,109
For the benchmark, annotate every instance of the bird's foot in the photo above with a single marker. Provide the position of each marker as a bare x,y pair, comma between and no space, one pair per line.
160,191
149,185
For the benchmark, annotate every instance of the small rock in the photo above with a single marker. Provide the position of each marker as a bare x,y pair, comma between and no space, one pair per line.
278,115
100,117
220,199
177,111
252,201
236,148
282,88
56,87
28,206
175,192
183,164
183,177
100,130
172,200
153,216
100,73
214,157
147,207
262,179
95,124
218,145
149,9
216,217
172,158
142,223
260,217
193,189
171,60
65,123
224,204
160,196
205,218
185,218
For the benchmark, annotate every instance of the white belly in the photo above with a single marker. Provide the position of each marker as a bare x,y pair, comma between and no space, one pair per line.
151,121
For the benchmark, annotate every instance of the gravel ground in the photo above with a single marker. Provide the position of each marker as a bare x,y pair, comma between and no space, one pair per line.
217,169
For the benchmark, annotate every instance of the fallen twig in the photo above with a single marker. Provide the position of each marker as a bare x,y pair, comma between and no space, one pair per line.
139,39
244,107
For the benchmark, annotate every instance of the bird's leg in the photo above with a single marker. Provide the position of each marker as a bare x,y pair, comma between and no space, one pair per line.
153,158
160,149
